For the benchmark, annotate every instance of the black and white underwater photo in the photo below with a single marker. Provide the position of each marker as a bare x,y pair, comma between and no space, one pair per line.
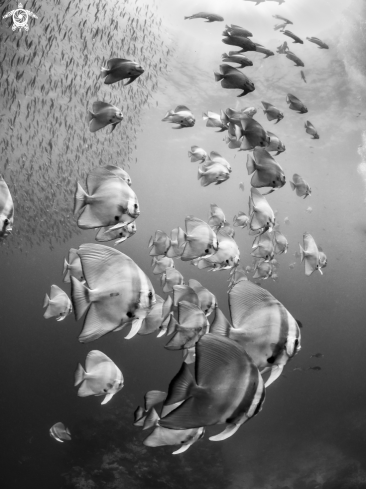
183,244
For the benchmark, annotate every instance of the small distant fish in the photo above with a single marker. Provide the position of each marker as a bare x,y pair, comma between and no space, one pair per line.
200,239
283,48
286,221
302,74
241,186
180,115
323,260
100,377
280,27
279,17
300,185
272,112
310,254
170,278
297,254
212,172
263,247
257,2
217,217
6,209
216,120
317,355
296,104
274,144
215,157
262,217
309,209
298,369
318,42
120,69
280,243
205,15
161,263
102,115
60,433
58,304
159,244
290,55
263,270
197,154
314,368
241,220
242,60
292,265
310,129
293,36
232,78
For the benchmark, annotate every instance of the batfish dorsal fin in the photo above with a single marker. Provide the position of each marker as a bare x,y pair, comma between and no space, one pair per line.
243,297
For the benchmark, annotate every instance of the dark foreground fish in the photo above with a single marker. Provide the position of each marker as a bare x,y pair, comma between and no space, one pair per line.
236,30
205,15
232,78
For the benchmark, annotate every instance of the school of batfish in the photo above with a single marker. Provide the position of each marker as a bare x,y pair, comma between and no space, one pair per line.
228,363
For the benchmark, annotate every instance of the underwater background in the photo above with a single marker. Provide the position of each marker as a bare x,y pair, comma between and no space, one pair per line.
311,432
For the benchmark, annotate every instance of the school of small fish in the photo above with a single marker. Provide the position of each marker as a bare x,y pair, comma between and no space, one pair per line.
228,363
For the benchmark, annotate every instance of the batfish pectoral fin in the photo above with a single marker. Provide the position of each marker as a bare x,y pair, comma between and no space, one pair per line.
275,373
228,431
182,449
135,328
107,398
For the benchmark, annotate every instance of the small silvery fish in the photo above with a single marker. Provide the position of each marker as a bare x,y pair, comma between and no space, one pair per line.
100,377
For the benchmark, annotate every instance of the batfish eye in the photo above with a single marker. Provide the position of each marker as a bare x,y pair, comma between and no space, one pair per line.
6,221
110,120
150,295
135,206
116,218
105,390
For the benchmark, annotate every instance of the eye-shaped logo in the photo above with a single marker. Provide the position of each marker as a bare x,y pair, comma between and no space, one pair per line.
20,18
